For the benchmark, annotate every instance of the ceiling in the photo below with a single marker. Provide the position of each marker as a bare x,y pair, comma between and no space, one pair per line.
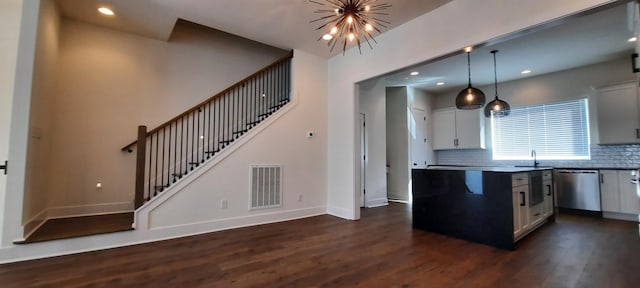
279,23
590,39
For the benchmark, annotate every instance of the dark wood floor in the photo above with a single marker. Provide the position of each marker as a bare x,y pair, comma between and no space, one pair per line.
81,226
381,250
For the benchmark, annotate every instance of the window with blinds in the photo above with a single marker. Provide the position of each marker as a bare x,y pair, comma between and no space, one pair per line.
557,131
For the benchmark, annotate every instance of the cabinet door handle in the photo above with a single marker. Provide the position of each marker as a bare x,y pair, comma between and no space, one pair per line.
549,190
634,68
523,201
637,133
601,178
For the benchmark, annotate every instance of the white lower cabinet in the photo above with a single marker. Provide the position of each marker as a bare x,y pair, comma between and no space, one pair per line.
619,194
548,198
521,222
525,217
547,185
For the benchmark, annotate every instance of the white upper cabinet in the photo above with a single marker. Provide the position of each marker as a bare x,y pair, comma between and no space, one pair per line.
458,129
618,114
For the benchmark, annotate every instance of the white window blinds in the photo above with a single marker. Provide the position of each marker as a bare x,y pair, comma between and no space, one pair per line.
556,131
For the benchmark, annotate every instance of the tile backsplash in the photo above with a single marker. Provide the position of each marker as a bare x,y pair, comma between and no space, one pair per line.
602,156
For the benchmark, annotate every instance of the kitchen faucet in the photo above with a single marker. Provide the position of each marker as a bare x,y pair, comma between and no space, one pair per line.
533,154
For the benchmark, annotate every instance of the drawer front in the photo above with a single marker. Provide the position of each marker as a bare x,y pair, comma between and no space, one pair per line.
519,179
547,175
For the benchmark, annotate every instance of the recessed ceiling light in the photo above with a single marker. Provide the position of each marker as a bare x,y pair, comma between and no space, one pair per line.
525,71
632,39
440,83
106,11
415,73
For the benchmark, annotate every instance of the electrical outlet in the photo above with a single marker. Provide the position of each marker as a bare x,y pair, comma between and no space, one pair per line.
299,197
224,204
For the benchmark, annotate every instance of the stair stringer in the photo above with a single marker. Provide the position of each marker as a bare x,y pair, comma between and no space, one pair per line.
141,215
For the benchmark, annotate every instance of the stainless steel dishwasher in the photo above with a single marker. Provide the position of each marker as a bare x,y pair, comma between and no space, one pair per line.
578,190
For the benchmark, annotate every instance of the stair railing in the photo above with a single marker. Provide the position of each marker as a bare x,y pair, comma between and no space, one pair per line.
175,148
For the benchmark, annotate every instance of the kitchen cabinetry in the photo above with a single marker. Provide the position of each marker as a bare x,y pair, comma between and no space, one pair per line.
618,114
520,198
547,184
620,194
458,129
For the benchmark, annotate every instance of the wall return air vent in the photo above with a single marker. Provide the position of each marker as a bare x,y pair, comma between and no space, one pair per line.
266,186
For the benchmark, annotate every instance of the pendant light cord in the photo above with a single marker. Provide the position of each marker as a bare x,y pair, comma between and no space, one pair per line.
469,66
495,71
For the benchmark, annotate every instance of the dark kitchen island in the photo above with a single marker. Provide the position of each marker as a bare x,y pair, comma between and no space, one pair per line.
471,203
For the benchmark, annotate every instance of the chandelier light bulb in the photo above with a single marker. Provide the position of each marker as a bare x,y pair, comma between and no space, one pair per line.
367,8
350,19
351,36
368,27
327,37
334,30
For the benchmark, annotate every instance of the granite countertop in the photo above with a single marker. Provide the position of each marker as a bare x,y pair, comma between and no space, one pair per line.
504,169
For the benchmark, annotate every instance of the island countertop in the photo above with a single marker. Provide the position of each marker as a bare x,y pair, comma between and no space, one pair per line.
503,169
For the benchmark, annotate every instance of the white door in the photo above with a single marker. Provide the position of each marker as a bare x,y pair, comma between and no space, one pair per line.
363,160
418,134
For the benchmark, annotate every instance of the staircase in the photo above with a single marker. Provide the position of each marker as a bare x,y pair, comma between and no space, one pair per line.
176,148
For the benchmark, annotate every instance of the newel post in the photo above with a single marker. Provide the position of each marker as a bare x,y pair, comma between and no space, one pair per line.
141,152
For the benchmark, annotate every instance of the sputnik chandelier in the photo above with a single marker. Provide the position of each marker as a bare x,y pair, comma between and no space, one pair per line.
350,22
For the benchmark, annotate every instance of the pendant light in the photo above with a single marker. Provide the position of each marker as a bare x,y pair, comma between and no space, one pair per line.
470,98
498,107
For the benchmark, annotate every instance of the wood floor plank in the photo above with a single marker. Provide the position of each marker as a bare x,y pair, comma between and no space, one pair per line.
380,250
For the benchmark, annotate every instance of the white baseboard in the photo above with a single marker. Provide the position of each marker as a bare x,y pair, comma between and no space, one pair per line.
204,227
341,213
376,202
399,201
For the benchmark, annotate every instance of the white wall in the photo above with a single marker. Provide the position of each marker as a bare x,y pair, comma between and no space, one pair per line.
42,99
398,145
110,82
554,87
372,104
431,35
549,88
10,15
